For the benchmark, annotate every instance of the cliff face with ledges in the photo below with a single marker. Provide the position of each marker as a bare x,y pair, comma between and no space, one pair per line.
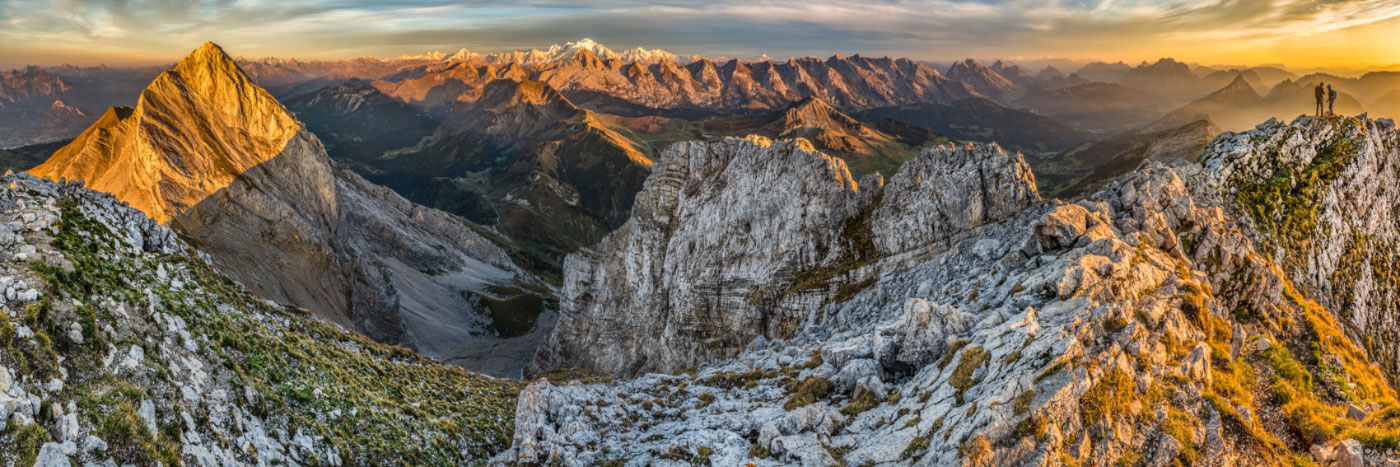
742,238
933,197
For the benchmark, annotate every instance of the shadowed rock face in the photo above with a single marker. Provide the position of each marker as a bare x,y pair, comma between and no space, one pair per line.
232,172
739,239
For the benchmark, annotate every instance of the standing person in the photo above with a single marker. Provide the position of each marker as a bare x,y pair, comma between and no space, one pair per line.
1331,98
1317,93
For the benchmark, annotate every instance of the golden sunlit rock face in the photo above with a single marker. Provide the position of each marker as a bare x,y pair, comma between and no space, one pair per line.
193,131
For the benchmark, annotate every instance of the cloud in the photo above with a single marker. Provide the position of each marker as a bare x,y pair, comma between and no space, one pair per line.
934,29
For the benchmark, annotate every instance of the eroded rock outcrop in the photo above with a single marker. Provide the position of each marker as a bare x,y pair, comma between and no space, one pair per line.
1149,324
743,238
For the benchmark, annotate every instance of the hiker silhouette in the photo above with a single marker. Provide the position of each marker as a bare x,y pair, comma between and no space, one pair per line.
1331,98
1317,92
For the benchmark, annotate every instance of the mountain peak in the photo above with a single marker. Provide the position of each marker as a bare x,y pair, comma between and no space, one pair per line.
522,92
815,113
206,55
1049,73
1239,90
195,128
571,49
1239,84
810,102
213,75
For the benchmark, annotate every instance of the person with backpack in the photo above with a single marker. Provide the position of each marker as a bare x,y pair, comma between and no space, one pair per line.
1331,99
1318,94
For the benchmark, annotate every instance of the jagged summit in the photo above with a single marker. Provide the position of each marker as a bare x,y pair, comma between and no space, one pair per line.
982,79
814,113
193,130
1238,85
509,93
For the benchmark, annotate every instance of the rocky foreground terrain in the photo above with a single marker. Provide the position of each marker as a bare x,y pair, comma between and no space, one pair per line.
121,345
1181,315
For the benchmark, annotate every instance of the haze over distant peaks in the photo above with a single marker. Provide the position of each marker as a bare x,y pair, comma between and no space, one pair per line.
554,54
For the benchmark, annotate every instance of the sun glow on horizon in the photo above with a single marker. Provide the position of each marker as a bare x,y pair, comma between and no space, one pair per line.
1302,34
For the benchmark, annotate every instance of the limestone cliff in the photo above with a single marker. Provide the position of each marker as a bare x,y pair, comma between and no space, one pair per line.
743,238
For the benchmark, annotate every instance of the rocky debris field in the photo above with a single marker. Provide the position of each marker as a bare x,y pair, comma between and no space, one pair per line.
122,346
1155,323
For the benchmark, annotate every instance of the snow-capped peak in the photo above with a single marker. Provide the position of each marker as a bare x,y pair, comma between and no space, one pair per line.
463,54
434,55
560,53
572,48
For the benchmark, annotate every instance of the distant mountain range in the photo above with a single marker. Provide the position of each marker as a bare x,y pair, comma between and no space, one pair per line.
544,149
553,54
47,104
42,105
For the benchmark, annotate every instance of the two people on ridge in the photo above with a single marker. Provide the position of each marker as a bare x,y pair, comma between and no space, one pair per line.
1330,94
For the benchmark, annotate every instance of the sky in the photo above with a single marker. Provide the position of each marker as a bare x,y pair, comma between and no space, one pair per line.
1352,34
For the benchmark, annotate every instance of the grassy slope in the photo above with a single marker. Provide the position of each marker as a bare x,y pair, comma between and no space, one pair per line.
375,403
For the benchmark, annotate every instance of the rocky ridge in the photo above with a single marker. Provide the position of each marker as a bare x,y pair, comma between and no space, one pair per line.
1147,324
664,86
986,81
122,346
1322,194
